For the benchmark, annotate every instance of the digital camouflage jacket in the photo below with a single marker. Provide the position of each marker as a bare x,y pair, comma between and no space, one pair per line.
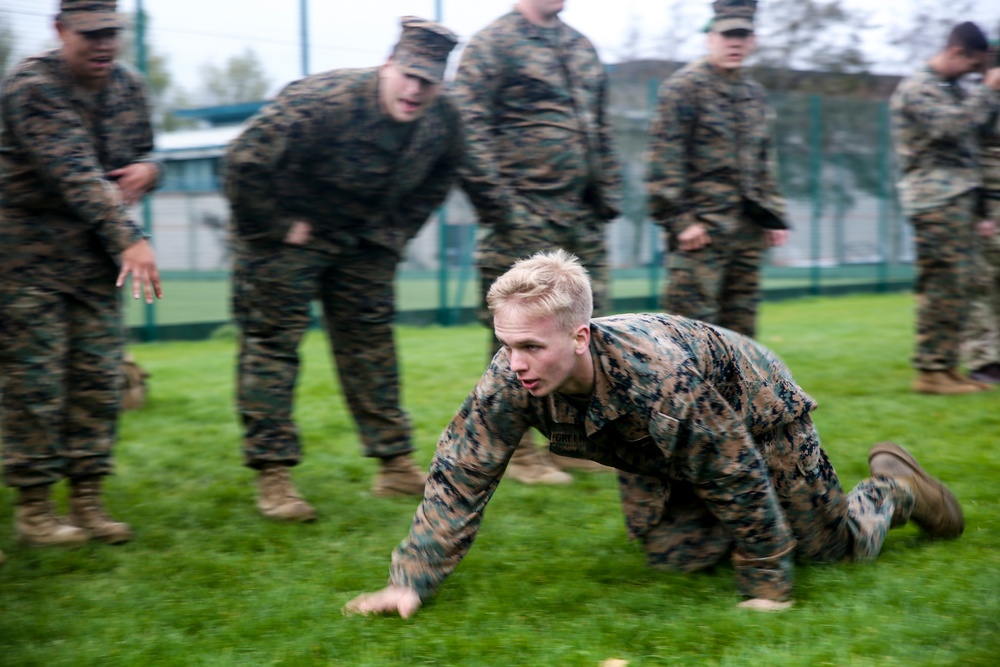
325,153
674,399
534,102
61,219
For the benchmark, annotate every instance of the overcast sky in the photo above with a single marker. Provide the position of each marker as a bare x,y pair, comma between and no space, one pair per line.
352,33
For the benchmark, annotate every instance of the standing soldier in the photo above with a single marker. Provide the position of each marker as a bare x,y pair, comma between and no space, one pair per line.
74,154
935,124
541,169
327,185
982,344
711,178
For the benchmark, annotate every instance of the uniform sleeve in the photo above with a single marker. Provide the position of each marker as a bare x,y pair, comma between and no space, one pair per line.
940,119
476,87
263,163
667,156
717,454
419,205
62,152
471,457
770,190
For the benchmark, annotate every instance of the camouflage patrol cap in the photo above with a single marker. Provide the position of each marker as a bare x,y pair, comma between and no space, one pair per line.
733,15
423,48
90,15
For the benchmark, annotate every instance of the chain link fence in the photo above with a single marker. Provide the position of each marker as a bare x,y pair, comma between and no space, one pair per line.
836,170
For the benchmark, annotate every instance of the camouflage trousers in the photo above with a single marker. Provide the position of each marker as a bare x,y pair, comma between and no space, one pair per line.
272,292
946,250
804,513
982,333
719,283
60,381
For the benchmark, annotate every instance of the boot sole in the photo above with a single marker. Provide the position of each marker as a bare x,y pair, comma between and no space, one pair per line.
953,507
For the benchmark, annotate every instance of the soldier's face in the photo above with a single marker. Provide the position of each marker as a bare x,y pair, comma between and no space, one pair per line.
405,97
545,355
728,50
89,55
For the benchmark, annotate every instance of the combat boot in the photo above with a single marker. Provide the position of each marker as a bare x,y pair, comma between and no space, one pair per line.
958,377
942,382
529,465
399,476
935,508
37,523
87,512
278,498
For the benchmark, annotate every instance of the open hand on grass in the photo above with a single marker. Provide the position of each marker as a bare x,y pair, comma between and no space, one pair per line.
761,604
390,600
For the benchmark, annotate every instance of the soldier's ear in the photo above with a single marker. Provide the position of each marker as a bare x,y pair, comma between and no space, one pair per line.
581,337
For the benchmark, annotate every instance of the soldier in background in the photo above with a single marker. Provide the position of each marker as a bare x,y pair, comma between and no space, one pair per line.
716,450
982,342
327,185
936,124
74,154
541,169
711,178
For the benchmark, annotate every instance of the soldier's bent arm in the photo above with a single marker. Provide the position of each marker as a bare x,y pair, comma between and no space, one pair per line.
61,150
432,192
471,456
940,118
477,87
717,454
667,156
263,163
610,183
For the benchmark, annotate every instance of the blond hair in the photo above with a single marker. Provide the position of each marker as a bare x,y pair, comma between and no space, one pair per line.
547,283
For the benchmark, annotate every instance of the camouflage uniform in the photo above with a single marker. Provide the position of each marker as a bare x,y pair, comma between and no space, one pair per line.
325,153
541,169
934,124
982,342
714,445
711,161
62,226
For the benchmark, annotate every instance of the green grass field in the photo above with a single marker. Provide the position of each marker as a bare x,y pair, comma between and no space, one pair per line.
552,579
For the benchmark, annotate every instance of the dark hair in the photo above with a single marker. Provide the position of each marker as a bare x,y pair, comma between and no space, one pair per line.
969,37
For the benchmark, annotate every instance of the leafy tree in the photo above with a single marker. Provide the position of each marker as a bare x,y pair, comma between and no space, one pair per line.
165,95
810,35
241,79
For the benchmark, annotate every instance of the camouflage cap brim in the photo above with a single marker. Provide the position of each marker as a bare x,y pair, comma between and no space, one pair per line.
92,21
727,24
425,68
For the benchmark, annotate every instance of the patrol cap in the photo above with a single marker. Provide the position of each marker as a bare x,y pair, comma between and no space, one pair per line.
733,15
423,48
90,15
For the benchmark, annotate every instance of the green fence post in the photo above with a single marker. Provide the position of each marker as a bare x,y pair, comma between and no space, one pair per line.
815,175
147,207
655,258
883,196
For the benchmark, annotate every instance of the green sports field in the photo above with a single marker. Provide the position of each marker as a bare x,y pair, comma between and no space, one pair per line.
552,579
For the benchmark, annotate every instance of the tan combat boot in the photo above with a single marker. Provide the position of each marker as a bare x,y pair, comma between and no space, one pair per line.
530,465
399,476
942,382
935,509
278,498
37,523
958,377
87,512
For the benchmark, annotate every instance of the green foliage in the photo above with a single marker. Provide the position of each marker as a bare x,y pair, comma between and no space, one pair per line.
242,79
552,579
